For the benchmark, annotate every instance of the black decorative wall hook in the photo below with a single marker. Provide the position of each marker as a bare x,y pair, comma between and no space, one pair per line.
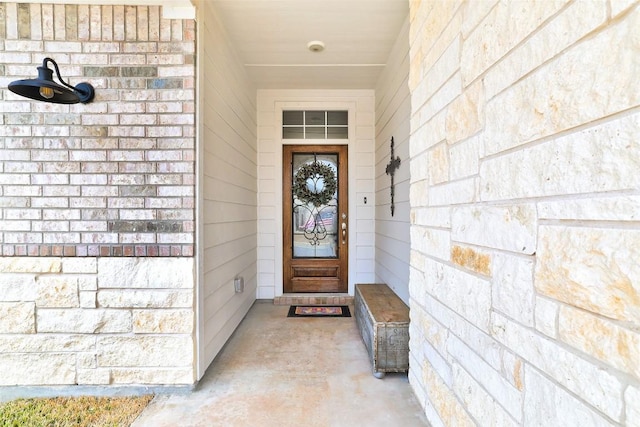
394,164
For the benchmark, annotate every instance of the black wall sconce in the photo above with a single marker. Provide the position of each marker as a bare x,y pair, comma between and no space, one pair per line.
45,89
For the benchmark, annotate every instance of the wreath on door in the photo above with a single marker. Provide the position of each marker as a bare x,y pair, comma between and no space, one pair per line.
315,183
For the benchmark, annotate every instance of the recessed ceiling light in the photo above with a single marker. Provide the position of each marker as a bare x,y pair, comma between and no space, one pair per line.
315,46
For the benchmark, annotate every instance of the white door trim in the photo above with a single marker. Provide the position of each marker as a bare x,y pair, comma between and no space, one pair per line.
350,106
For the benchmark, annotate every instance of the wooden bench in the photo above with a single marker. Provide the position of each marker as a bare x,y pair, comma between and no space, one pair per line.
383,321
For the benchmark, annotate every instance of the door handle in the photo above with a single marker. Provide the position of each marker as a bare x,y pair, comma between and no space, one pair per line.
344,233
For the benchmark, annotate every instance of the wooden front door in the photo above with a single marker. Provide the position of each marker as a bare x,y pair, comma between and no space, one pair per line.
316,218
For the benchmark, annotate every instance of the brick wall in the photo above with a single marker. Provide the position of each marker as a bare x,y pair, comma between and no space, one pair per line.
114,177
525,286
97,273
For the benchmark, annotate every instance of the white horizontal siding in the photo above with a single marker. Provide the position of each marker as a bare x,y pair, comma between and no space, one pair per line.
393,109
228,188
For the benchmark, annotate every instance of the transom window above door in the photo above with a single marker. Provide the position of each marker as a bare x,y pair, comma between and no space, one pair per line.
314,124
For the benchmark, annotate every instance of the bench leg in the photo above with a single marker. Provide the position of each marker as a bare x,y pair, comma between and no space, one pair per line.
378,375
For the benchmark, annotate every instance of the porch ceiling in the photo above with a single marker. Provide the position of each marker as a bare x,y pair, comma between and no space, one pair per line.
271,38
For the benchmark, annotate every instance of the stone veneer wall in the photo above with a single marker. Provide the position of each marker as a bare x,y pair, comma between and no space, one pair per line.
525,148
97,200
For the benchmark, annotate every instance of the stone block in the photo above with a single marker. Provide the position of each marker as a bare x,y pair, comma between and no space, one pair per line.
38,368
438,363
426,134
419,166
169,273
566,165
436,70
569,26
30,265
158,376
511,228
451,193
465,115
546,404
620,6
88,283
437,163
163,321
46,343
435,102
431,241
465,293
414,377
582,74
418,193
145,351
546,317
87,360
57,291
94,377
483,344
513,369
611,208
84,321
632,403
474,13
513,288
126,298
496,385
433,18
589,381
506,25
444,401
471,259
591,268
615,345
480,404
431,217
17,318
17,287
434,334
88,299
464,158
80,265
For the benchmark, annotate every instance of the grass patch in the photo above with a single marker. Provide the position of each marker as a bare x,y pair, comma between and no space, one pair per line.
72,411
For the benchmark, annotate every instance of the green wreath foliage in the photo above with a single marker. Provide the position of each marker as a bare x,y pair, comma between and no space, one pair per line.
315,171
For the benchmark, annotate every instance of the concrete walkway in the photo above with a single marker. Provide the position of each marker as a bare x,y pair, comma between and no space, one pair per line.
279,371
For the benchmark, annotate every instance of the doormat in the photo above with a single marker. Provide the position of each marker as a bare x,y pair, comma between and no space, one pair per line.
319,311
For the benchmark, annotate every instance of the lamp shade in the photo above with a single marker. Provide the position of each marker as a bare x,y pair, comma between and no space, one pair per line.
45,89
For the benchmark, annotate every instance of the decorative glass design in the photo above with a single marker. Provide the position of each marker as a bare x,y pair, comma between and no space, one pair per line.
315,205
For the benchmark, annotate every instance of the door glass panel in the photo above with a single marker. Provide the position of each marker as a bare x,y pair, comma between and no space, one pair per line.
292,118
314,118
315,205
337,118
337,132
293,133
315,133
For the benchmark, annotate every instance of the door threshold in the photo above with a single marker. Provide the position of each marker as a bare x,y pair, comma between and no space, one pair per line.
314,299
